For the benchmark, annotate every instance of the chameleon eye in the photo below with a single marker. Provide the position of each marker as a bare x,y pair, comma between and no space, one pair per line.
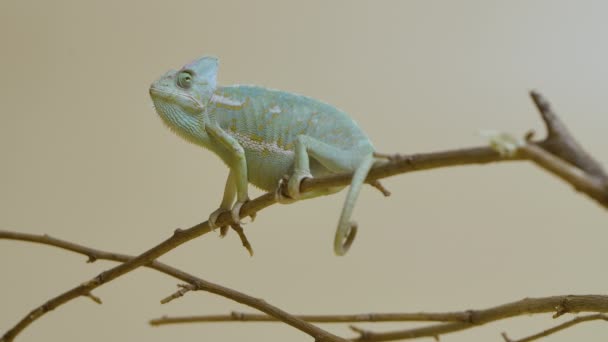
184,80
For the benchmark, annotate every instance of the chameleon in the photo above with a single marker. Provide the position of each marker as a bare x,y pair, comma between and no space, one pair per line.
270,138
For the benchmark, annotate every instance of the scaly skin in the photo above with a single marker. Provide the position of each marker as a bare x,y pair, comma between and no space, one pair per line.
263,135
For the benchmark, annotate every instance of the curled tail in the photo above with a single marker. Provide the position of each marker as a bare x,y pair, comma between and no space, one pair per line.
346,231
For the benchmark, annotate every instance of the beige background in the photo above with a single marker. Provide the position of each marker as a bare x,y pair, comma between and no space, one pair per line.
84,157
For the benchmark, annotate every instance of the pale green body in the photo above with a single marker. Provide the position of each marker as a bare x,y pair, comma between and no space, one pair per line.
267,124
264,135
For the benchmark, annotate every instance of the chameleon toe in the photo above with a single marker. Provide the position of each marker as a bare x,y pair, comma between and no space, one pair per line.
236,210
213,218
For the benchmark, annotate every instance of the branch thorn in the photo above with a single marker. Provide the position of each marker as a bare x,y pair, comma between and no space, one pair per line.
93,297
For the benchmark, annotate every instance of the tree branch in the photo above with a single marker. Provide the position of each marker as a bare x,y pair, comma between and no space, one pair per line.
560,142
464,319
565,325
401,164
459,320
592,186
556,142
235,316
198,283
557,304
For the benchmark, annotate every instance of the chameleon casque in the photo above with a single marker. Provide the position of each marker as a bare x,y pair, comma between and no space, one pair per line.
263,135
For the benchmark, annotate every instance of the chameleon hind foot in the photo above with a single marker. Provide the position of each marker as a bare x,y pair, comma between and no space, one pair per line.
293,184
281,190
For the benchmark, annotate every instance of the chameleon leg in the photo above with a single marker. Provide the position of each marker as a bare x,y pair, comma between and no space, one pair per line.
281,198
336,160
227,200
332,158
238,166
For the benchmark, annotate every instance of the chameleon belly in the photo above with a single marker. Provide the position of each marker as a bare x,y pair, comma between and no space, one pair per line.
266,123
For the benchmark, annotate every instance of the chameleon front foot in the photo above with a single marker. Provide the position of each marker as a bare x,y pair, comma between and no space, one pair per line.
213,218
234,212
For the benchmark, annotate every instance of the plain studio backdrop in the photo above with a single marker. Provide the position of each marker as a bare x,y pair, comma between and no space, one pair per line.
84,157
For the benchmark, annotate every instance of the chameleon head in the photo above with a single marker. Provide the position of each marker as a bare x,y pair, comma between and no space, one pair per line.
180,96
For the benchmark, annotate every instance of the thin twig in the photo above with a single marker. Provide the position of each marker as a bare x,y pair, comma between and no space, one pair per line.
183,289
93,297
235,316
376,184
565,325
244,241
592,186
464,319
571,304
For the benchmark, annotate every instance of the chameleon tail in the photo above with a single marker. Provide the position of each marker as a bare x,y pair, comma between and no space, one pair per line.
346,232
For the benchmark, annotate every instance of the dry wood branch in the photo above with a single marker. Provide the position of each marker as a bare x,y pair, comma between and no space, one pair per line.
561,143
403,164
565,325
558,140
368,317
593,186
198,283
462,320
570,304
459,320
183,289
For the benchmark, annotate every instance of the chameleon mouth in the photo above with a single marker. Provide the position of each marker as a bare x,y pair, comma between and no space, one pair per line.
186,100
162,93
